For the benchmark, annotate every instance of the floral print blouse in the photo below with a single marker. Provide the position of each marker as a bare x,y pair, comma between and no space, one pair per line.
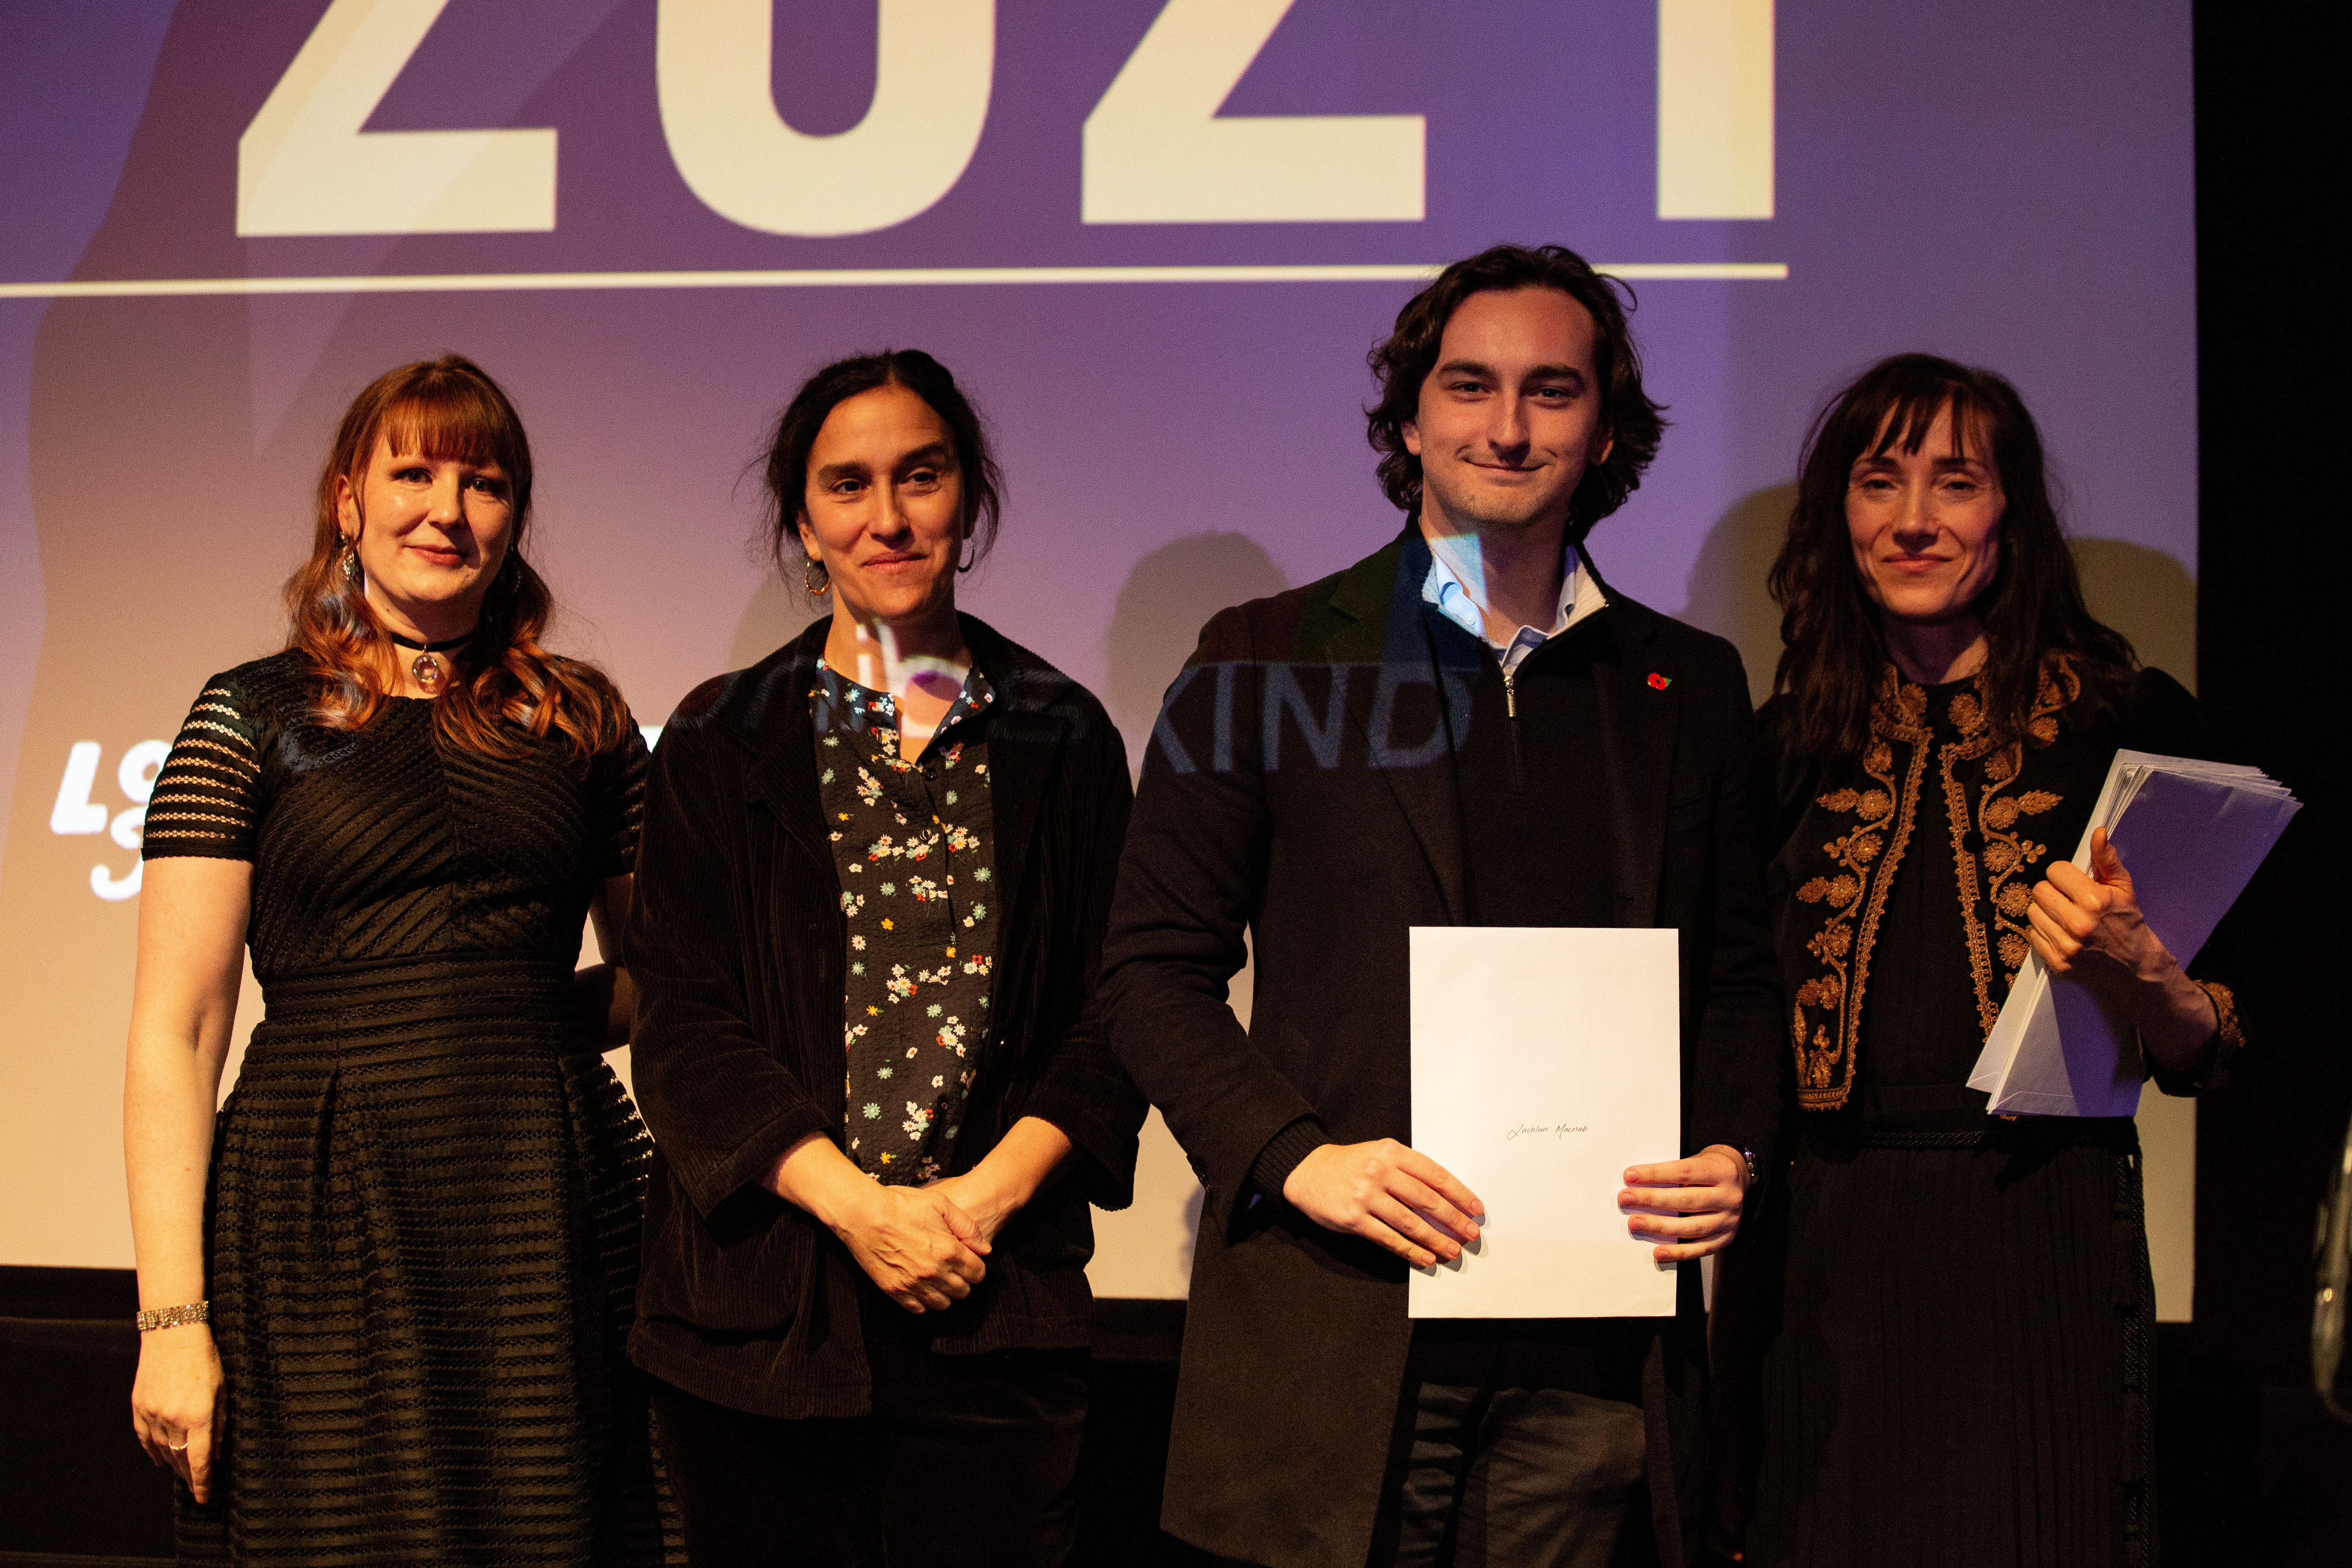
910,841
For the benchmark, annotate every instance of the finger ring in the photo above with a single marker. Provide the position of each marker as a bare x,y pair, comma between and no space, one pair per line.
178,1447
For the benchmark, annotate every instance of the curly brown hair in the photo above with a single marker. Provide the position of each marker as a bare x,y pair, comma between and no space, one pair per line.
1629,420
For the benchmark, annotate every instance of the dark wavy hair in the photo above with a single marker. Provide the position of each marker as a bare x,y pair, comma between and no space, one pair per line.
784,468
1833,642
1628,419
504,686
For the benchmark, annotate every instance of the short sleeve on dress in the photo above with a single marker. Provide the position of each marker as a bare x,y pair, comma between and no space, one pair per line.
205,801
617,784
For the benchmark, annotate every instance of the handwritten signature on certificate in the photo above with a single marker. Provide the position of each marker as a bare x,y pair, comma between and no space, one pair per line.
1558,1129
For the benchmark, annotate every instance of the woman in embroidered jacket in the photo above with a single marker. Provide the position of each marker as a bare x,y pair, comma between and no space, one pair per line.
1960,1369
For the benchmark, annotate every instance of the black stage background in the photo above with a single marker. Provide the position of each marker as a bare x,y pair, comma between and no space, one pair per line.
2252,1470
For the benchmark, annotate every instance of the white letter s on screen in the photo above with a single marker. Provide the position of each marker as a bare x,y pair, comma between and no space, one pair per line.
74,811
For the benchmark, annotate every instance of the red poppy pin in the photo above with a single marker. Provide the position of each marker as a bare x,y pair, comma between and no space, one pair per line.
1660,682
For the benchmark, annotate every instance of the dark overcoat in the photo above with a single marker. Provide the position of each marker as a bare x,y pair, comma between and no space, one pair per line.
1301,788
737,946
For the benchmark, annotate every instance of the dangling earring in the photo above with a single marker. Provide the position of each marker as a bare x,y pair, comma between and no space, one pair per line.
350,561
816,581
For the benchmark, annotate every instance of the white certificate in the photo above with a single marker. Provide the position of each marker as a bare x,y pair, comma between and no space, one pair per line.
1545,1061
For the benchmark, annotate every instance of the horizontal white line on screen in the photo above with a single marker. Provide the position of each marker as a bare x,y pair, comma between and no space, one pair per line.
838,278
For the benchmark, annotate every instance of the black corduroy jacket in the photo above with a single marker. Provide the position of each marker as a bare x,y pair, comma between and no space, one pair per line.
737,946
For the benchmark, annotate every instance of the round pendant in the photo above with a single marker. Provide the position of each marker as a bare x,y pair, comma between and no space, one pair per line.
426,670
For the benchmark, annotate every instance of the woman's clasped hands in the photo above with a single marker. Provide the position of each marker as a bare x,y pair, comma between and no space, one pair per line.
914,1243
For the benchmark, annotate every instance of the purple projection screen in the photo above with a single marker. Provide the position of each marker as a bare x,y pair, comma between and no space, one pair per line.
1155,238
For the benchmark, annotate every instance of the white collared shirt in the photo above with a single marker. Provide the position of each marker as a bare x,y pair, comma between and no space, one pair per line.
1580,595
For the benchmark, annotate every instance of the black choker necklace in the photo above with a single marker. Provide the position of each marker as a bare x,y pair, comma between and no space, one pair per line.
424,669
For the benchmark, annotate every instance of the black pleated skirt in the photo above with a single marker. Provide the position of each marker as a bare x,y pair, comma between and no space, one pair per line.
423,1230
1960,1373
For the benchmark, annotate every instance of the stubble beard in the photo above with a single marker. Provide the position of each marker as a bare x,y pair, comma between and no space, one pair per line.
1488,514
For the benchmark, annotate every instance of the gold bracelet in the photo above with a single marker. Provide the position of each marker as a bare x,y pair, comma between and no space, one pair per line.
172,1317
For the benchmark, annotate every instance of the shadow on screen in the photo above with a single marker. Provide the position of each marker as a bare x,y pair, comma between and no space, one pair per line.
1725,591
2146,595
1166,600
2142,592
778,612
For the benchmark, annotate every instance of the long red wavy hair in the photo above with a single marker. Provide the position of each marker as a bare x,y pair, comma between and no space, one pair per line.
506,693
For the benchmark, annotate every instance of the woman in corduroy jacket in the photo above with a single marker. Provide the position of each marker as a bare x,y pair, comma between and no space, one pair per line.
872,888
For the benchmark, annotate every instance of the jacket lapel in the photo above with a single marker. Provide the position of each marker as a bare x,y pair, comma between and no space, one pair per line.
1024,737
1375,632
1639,722
776,722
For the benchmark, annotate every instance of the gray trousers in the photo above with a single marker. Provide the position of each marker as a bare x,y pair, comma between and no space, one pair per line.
1522,1447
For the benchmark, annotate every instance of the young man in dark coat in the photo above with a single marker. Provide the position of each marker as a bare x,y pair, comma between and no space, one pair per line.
1466,728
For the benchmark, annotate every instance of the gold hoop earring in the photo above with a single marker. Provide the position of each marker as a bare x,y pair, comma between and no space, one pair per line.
816,581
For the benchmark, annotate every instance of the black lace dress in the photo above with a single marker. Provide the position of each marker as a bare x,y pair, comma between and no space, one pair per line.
422,1223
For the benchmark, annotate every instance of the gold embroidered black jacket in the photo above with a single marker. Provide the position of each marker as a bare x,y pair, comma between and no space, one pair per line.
2002,812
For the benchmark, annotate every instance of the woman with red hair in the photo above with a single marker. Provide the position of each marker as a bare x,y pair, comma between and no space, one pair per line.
385,1289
